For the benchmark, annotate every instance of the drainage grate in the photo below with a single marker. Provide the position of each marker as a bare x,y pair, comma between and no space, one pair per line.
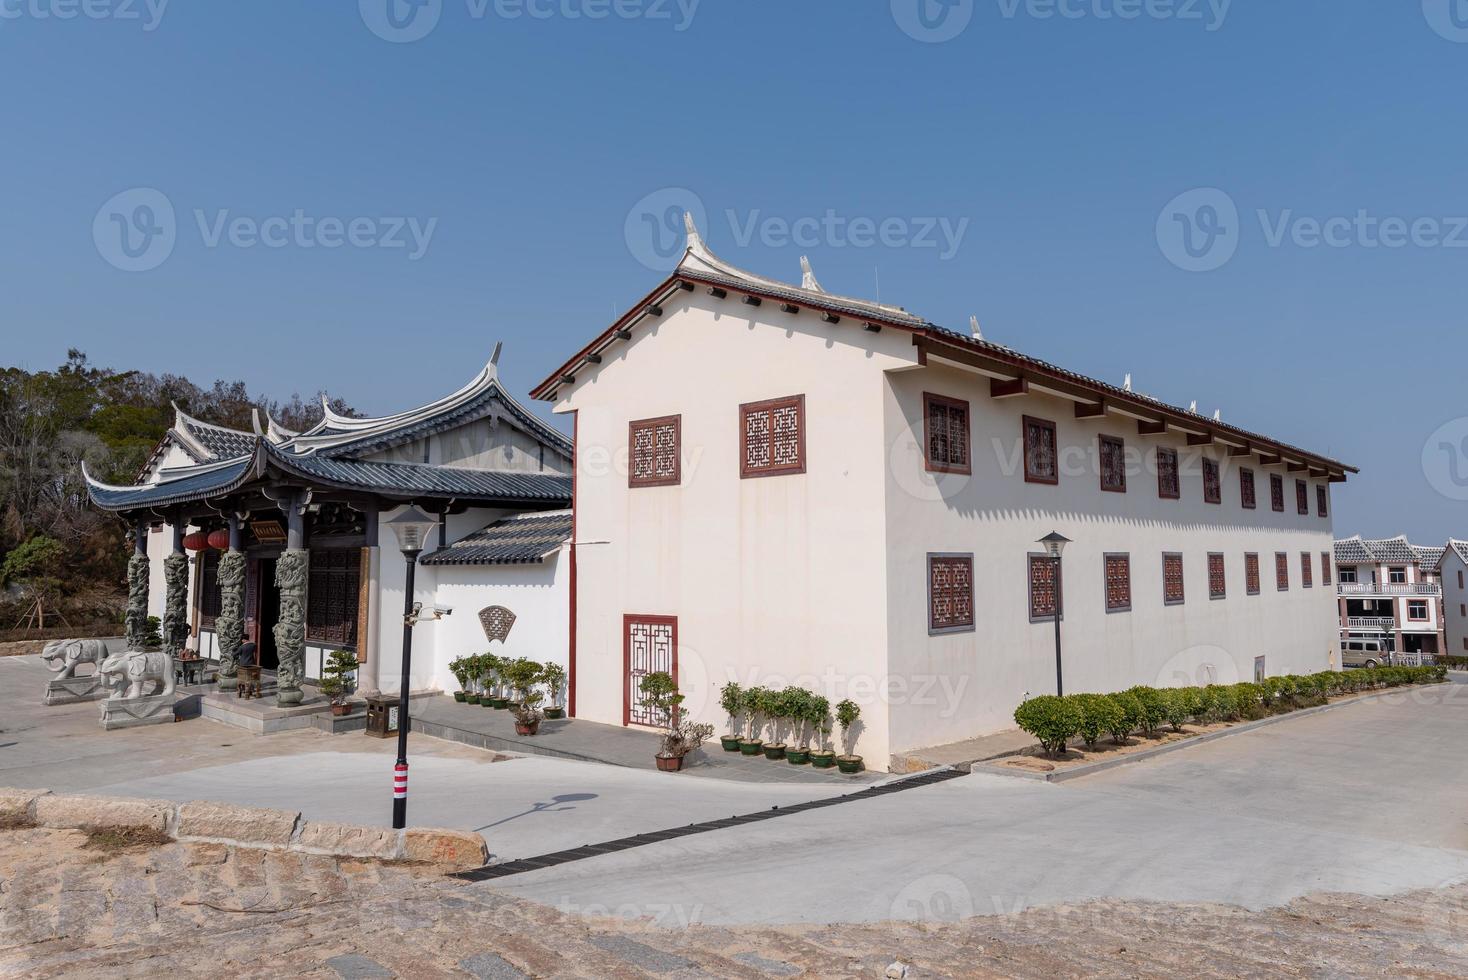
626,843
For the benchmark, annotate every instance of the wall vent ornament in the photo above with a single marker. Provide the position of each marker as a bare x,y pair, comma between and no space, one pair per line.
497,622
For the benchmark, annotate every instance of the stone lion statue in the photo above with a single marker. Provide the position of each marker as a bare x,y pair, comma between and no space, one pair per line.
127,672
64,656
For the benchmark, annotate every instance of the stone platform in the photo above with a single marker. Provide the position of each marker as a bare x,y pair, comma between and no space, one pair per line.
75,690
136,712
262,716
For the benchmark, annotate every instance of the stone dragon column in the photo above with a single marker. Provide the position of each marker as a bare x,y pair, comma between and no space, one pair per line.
137,589
176,594
229,625
291,572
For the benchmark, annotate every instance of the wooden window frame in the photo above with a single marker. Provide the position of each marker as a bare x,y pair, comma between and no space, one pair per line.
1030,475
1175,491
747,472
955,557
1347,574
1252,583
1212,481
1322,500
1302,498
1248,489
1325,562
1221,583
1182,597
1307,572
1393,570
633,427
627,693
210,597
321,566
1118,446
931,399
1276,493
1056,587
1282,571
1426,616
1125,559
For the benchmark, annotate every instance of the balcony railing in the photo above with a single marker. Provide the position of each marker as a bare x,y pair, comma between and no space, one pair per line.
1370,623
1390,588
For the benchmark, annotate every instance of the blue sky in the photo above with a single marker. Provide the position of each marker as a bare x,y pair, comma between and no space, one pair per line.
523,149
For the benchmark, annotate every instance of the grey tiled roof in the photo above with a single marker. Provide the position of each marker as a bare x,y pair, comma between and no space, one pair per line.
1460,548
1428,557
1352,551
438,481
222,443
196,486
516,540
1392,550
470,410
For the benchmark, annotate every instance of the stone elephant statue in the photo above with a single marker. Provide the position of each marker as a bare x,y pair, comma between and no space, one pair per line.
127,672
64,656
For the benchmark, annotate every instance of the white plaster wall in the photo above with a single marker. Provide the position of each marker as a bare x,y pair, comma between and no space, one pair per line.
777,580
1455,624
961,685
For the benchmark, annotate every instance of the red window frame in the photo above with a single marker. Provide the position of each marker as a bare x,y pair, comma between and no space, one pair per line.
1117,581
1212,482
1111,454
1325,563
1174,587
1251,573
1322,500
1276,492
1307,577
1169,487
950,593
770,407
664,463
1302,498
1035,431
946,434
1282,571
1248,497
1217,579
629,695
1042,589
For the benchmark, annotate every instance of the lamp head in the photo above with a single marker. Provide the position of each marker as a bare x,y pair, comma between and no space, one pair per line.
1054,543
412,527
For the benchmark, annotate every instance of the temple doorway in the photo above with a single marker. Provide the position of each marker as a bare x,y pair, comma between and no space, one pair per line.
269,613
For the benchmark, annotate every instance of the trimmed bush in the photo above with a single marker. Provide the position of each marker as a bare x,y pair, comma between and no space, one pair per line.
1251,701
1127,717
1154,708
1053,720
1175,704
1099,714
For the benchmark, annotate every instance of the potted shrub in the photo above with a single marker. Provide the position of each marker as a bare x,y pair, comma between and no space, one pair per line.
554,677
336,680
798,710
660,695
459,667
820,719
774,711
846,714
522,676
731,699
494,681
753,699
472,670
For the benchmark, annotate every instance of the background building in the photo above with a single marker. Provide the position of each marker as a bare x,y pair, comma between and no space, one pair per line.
1390,590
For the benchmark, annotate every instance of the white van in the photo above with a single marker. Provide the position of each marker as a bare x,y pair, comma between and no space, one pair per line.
1362,653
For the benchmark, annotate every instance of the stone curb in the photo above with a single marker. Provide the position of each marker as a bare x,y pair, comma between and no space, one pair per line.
1065,775
246,826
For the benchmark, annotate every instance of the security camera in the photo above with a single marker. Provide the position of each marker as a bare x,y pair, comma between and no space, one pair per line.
441,611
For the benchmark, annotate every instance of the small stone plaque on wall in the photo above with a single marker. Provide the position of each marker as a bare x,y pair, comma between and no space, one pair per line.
497,622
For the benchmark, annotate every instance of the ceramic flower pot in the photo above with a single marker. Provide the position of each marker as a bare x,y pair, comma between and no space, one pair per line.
730,742
527,727
670,763
849,764
555,714
750,746
823,760
774,750
797,757
460,696
470,698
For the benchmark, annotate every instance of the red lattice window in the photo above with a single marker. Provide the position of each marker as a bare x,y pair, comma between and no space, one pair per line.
1212,482
332,593
1118,583
1172,579
1325,561
1112,453
1246,489
1307,575
1168,487
1276,492
1251,573
1302,497
772,437
1217,580
1322,501
946,434
1042,464
1042,588
654,451
950,593
649,646
1281,571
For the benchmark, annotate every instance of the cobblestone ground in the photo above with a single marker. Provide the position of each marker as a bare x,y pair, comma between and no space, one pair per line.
192,909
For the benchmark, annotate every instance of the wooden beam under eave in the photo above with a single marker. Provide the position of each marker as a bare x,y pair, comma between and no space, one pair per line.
1088,410
1317,472
594,358
1296,467
624,334
1338,478
718,292
1269,459
1194,439
789,308
1147,427
830,318
752,300
1008,389
1243,450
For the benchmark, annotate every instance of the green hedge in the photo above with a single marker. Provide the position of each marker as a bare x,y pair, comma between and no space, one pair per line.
1056,720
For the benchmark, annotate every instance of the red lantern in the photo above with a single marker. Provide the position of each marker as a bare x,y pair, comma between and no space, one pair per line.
198,541
219,540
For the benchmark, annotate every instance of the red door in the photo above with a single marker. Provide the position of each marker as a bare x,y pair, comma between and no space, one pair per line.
649,644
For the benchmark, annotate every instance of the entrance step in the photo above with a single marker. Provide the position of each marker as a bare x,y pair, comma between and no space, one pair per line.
963,755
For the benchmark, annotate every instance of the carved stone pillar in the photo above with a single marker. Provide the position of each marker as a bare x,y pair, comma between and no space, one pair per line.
290,629
229,625
137,590
176,593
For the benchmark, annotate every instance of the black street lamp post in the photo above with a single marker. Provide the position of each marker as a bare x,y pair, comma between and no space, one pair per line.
1055,543
411,528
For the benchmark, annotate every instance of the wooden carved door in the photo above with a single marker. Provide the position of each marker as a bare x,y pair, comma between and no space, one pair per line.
649,645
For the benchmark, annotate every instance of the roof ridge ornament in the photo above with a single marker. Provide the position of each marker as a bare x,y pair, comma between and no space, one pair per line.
695,240
1127,384
973,326
808,277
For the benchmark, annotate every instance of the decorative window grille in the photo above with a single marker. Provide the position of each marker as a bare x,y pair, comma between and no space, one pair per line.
655,452
1172,580
1276,492
1281,571
1112,452
209,596
772,437
950,593
1212,482
1167,481
1217,580
1118,583
1041,462
332,594
1042,588
1325,560
1307,575
1246,489
1322,501
651,646
1251,573
946,434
